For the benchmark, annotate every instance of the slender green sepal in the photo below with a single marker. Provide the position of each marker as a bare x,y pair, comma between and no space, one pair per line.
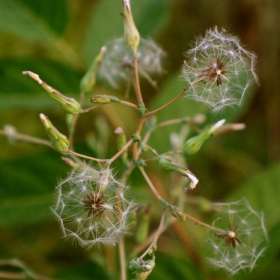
194,144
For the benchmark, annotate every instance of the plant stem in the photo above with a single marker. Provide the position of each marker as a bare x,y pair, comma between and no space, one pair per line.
165,105
158,232
137,83
129,104
202,223
86,157
150,183
143,245
27,138
121,102
123,149
122,258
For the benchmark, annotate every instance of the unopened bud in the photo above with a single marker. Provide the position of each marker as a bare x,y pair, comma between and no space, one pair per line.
140,268
58,140
88,81
170,164
69,105
104,99
130,31
194,144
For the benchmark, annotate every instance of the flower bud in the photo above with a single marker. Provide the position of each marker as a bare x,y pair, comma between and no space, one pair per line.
170,164
131,33
104,99
58,140
140,268
69,105
88,81
194,144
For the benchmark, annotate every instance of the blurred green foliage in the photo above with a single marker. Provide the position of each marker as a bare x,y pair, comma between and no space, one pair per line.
58,40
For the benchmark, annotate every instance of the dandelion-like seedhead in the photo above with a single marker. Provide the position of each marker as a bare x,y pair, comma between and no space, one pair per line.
242,240
117,66
91,207
218,70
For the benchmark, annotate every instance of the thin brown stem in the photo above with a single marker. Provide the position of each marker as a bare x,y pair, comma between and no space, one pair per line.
149,182
157,235
129,104
123,149
138,131
173,121
27,138
86,157
165,105
122,258
202,223
137,83
143,245
121,102
90,109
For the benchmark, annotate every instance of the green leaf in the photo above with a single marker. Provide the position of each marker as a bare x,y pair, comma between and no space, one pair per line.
40,20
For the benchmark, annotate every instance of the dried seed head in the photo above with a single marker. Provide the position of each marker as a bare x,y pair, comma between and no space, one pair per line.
242,239
118,64
218,70
91,207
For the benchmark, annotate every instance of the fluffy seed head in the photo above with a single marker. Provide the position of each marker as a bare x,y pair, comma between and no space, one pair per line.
118,64
218,70
242,240
91,207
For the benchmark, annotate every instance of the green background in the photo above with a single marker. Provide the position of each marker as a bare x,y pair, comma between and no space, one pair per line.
58,40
